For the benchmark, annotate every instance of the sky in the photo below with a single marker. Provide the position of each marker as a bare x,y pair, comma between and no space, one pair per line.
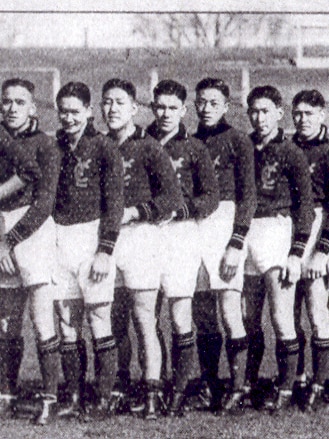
71,23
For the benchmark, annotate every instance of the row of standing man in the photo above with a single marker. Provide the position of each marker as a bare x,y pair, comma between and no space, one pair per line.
98,224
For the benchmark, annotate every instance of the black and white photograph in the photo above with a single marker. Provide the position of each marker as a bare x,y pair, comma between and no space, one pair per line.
164,219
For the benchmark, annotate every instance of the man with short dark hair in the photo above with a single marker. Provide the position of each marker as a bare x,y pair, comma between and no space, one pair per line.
27,247
308,112
181,256
222,237
274,250
152,193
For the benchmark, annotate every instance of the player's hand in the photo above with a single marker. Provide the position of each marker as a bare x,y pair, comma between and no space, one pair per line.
100,267
317,266
229,264
7,264
290,274
130,214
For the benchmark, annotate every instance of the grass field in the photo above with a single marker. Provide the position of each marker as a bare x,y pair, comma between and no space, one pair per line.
94,67
196,425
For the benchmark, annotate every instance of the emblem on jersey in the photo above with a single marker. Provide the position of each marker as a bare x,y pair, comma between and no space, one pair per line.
312,168
79,172
216,165
177,165
269,176
127,164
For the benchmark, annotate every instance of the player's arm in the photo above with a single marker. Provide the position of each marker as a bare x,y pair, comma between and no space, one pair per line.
302,210
206,190
44,191
8,188
26,168
245,204
112,208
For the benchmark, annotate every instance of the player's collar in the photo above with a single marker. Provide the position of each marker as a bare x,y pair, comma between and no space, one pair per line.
180,135
279,138
205,132
321,138
139,133
29,131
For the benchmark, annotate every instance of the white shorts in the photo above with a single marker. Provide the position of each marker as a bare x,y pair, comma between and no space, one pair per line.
215,233
76,248
180,258
268,244
313,239
137,254
36,255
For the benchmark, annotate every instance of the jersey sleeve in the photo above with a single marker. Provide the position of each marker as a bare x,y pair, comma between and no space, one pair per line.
206,190
26,166
302,199
112,199
245,189
166,193
44,191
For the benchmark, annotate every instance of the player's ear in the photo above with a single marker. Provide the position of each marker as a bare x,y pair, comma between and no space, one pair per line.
89,111
135,108
322,115
153,107
280,113
183,111
33,109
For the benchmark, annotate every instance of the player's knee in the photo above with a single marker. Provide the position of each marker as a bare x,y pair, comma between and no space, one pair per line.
99,319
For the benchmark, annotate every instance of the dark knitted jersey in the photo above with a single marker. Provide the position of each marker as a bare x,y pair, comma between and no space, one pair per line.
284,186
193,166
232,155
34,157
317,153
90,185
150,183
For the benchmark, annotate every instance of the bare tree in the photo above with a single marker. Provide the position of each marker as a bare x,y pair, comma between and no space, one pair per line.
177,30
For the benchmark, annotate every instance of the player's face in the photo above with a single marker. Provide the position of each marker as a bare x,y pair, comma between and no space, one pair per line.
264,116
211,105
17,107
73,115
118,108
168,111
307,120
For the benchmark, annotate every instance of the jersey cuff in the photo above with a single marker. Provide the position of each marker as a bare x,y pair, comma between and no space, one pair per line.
238,237
106,245
183,213
323,243
299,244
147,211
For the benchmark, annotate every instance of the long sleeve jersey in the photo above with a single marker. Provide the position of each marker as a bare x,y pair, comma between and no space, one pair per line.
284,186
150,183
232,155
193,166
34,157
316,151
90,185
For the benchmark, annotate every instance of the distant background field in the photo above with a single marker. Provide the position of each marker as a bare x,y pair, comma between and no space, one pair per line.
95,66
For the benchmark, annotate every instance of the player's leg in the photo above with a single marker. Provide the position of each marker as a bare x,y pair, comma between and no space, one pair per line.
301,288
209,341
148,344
120,316
316,299
70,314
281,302
236,346
42,316
182,350
253,299
105,352
12,305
